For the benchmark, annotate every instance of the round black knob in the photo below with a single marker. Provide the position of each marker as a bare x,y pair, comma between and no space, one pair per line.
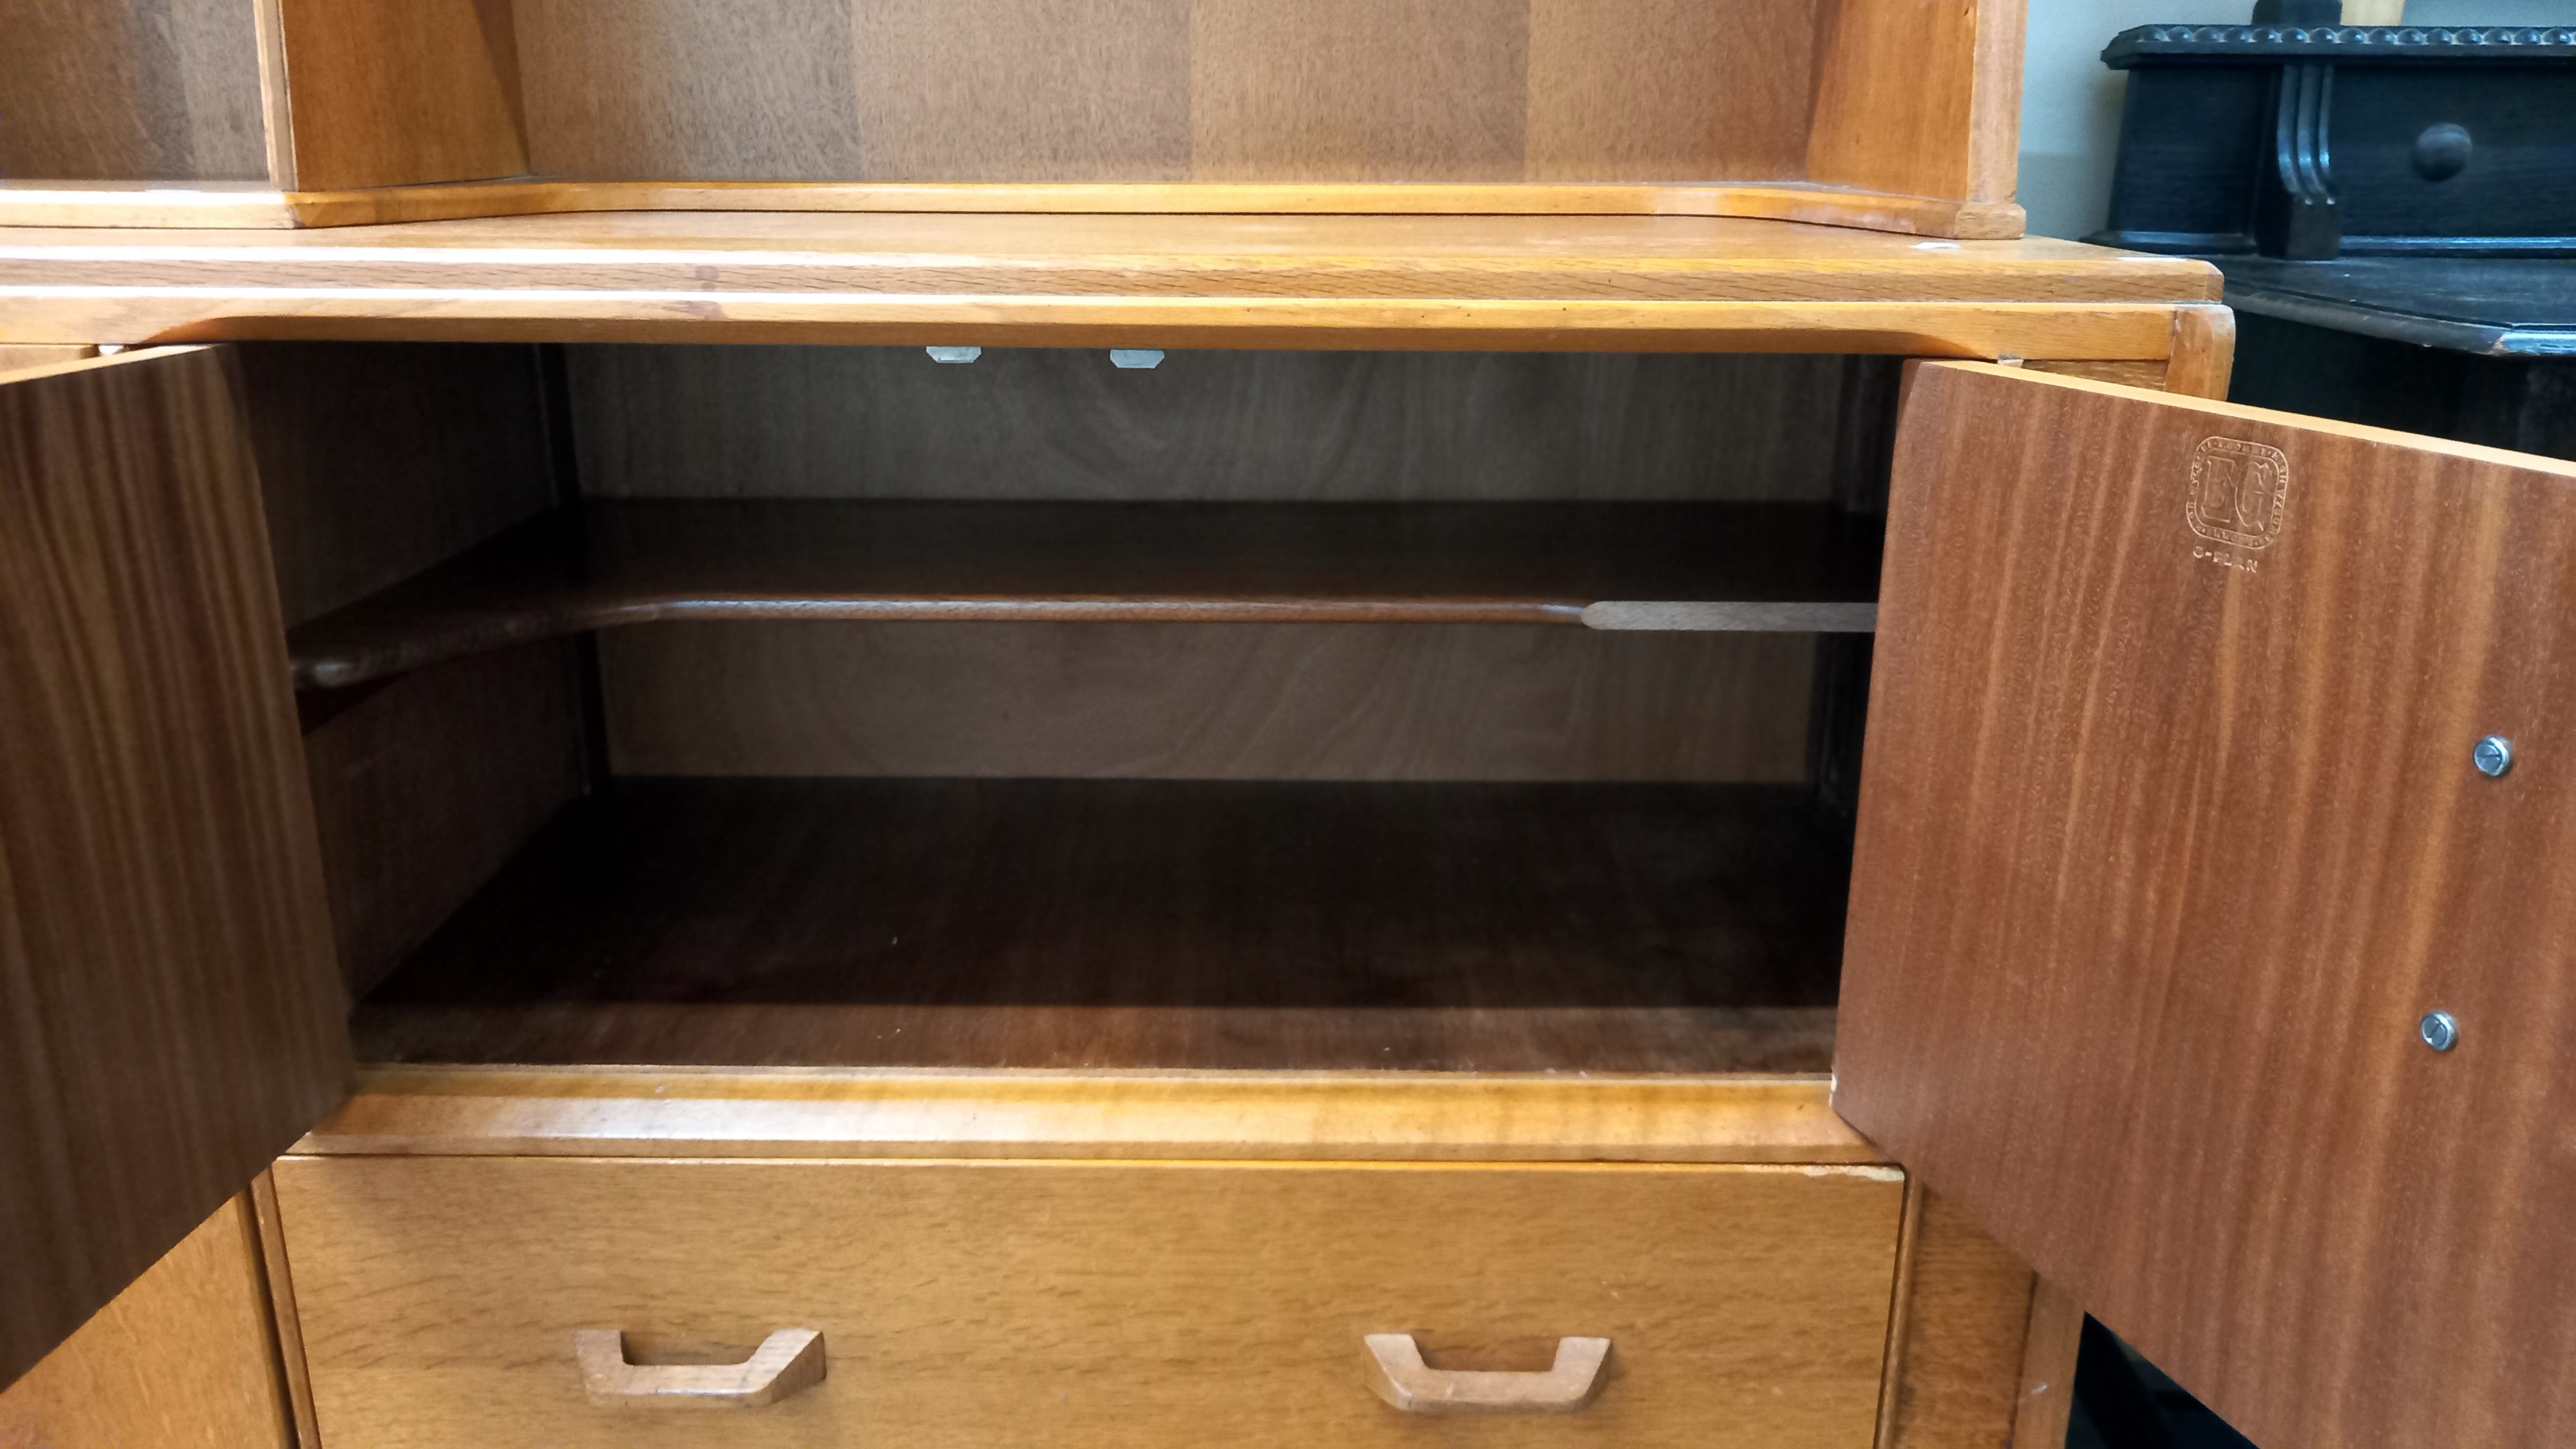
2442,152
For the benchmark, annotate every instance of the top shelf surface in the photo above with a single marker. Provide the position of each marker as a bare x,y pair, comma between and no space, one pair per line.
1635,283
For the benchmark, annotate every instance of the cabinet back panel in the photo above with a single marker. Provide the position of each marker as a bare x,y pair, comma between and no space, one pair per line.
131,90
887,422
1206,701
1168,90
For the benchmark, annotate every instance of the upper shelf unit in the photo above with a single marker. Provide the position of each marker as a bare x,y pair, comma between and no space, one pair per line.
1898,117
1526,283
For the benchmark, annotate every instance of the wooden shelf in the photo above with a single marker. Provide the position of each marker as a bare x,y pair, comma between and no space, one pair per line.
1142,924
1756,566
1543,282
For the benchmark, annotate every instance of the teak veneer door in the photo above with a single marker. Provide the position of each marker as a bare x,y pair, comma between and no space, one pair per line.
171,1014
2171,836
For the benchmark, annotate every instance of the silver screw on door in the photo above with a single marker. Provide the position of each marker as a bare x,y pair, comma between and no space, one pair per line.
2494,756
2440,1030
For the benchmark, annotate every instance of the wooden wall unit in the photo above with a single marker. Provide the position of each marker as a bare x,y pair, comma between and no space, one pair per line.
1437,934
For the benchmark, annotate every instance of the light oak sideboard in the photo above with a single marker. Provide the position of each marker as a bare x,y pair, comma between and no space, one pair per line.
839,723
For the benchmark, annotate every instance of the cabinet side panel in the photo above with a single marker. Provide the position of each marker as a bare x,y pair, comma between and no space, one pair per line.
1919,99
181,1360
1960,1350
377,460
174,1018
399,92
430,784
2170,837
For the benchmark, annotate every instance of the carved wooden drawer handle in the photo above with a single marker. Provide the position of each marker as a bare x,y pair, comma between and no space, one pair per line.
1399,1375
788,1363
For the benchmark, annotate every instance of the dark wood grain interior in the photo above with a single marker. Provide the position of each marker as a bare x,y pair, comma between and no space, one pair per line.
1040,714
1032,923
1202,702
1062,424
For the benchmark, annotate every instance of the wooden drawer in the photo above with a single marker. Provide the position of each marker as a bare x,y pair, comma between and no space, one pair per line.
1087,1303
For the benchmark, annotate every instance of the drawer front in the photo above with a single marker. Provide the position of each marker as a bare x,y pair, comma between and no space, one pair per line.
988,1304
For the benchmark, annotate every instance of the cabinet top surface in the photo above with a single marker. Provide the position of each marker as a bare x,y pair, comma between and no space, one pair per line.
1199,279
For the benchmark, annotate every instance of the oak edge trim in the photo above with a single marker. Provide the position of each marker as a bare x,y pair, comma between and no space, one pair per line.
1751,1119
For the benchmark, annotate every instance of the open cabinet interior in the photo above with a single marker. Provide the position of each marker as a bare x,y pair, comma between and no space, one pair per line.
1912,106
840,707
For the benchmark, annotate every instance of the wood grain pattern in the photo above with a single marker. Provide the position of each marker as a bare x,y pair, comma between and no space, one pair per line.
1137,924
1306,702
1644,284
1664,90
1168,90
197,204
1779,567
180,1360
2048,1367
2257,856
26,359
377,462
130,90
1920,98
1358,90
1087,1303
111,204
424,788
1308,1115
1243,427
397,92
2147,373
2204,352
1958,1353
164,940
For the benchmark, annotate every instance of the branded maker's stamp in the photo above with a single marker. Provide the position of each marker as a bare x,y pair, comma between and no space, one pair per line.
2240,493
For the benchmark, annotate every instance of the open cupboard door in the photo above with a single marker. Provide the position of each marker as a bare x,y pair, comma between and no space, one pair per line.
171,1013
2174,830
